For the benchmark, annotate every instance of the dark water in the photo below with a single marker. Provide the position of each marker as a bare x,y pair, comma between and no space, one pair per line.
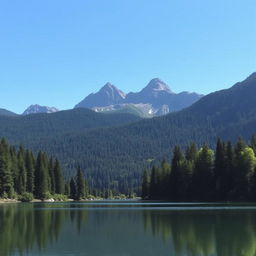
128,229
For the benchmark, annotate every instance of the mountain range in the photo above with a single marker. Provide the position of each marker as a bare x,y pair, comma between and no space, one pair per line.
154,100
113,149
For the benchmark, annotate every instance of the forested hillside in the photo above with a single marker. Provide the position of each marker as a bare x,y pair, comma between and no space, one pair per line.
24,129
114,157
5,112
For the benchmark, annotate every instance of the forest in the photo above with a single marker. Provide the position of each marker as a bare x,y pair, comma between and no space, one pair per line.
25,176
227,173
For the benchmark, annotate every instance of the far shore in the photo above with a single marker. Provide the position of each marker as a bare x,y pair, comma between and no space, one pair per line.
9,201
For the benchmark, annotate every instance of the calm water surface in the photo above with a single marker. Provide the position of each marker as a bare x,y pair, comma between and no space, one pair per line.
128,228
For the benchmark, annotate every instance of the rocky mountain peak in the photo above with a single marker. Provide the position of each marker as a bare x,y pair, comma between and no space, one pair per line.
157,85
34,109
112,90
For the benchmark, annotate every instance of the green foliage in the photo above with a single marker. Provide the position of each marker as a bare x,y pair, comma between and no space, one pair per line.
26,197
6,178
224,175
46,196
20,175
82,189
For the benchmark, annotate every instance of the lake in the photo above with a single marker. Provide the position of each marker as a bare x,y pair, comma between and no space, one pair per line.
127,228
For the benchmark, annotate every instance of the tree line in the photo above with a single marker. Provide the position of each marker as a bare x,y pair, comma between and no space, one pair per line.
227,173
41,177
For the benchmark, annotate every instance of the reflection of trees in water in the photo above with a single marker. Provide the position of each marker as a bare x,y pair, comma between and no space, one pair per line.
205,233
22,227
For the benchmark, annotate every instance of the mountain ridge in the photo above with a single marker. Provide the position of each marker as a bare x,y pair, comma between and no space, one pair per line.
156,93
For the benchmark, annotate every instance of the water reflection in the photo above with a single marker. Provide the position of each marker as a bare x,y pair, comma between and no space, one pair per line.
125,229
222,233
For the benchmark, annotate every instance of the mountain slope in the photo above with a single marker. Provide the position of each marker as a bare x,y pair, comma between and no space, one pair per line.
5,112
25,129
107,95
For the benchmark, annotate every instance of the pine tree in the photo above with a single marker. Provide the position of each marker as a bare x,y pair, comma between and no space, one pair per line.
52,176
41,176
220,169
67,189
14,167
203,185
176,175
30,167
22,173
73,189
153,184
6,179
191,152
59,180
81,186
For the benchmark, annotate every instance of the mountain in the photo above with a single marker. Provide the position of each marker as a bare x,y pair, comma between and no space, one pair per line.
107,95
114,157
35,109
4,112
156,94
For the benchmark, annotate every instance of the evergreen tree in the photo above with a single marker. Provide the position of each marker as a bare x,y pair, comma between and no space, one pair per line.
202,179
41,176
191,152
73,189
165,170
14,167
81,186
176,176
59,180
29,164
67,189
52,176
153,183
220,169
6,179
229,179
22,173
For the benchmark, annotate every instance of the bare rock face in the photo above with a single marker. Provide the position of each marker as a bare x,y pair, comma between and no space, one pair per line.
35,109
107,95
156,94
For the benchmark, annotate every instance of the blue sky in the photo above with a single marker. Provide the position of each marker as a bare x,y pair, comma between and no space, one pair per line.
56,52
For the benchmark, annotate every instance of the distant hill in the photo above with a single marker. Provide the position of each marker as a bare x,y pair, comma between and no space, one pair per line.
156,95
4,112
28,128
35,109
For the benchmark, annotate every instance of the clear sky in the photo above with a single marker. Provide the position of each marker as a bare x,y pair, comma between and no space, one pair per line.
55,52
